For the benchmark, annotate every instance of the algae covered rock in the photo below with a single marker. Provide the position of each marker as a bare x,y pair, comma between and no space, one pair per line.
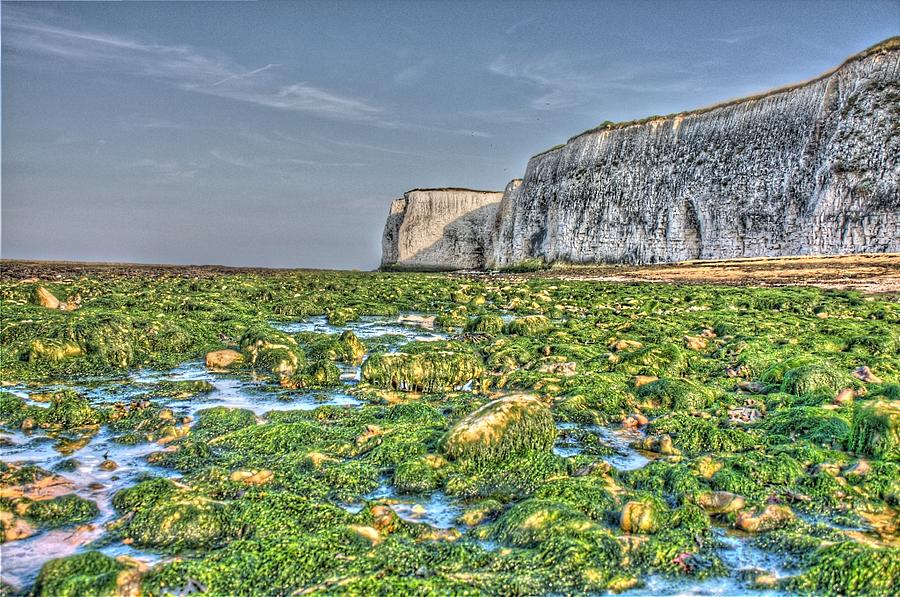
223,359
60,511
533,521
640,516
502,428
850,568
488,324
89,574
431,371
530,325
771,517
70,409
875,430
53,350
179,522
271,350
720,502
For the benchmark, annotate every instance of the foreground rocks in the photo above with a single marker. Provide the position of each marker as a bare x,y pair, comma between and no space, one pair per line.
502,428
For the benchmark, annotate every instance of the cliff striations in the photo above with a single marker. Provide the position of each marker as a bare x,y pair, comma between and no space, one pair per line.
440,229
809,169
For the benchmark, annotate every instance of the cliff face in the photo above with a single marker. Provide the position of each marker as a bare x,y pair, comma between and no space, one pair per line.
440,229
809,170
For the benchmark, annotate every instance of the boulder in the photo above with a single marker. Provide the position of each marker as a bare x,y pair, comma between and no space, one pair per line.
45,298
720,502
771,517
223,359
639,516
502,428
865,374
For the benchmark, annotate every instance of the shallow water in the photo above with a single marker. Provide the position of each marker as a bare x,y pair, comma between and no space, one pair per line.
619,439
738,553
22,559
366,327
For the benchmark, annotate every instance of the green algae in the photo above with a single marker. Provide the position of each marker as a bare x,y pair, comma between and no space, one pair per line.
428,371
61,511
875,430
766,350
90,574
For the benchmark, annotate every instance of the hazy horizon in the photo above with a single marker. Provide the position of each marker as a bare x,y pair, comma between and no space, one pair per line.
276,134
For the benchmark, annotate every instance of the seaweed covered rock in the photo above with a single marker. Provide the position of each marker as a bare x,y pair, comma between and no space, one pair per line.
502,428
53,350
851,569
641,516
430,371
530,325
817,377
60,511
773,516
177,521
270,350
675,395
533,521
720,502
70,409
421,474
224,359
487,324
875,430
89,574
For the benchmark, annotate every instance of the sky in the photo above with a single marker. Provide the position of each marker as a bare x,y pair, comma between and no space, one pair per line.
277,133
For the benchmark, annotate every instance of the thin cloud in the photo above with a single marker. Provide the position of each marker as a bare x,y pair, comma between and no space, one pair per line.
182,66
245,75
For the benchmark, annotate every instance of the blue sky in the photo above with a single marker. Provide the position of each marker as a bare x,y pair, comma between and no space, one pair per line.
277,133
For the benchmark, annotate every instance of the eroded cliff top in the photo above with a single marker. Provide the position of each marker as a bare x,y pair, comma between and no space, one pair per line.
889,45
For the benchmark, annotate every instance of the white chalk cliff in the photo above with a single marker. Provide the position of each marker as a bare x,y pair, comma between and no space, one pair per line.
440,229
809,169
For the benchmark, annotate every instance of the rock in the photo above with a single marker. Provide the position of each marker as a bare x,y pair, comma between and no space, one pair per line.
695,342
422,321
14,527
720,502
252,477
772,517
857,470
368,533
865,374
565,369
108,465
707,466
845,396
744,415
661,444
635,421
639,517
502,428
45,298
642,380
440,229
626,345
223,359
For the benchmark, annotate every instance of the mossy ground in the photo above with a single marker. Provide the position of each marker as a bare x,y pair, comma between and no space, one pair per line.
296,501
